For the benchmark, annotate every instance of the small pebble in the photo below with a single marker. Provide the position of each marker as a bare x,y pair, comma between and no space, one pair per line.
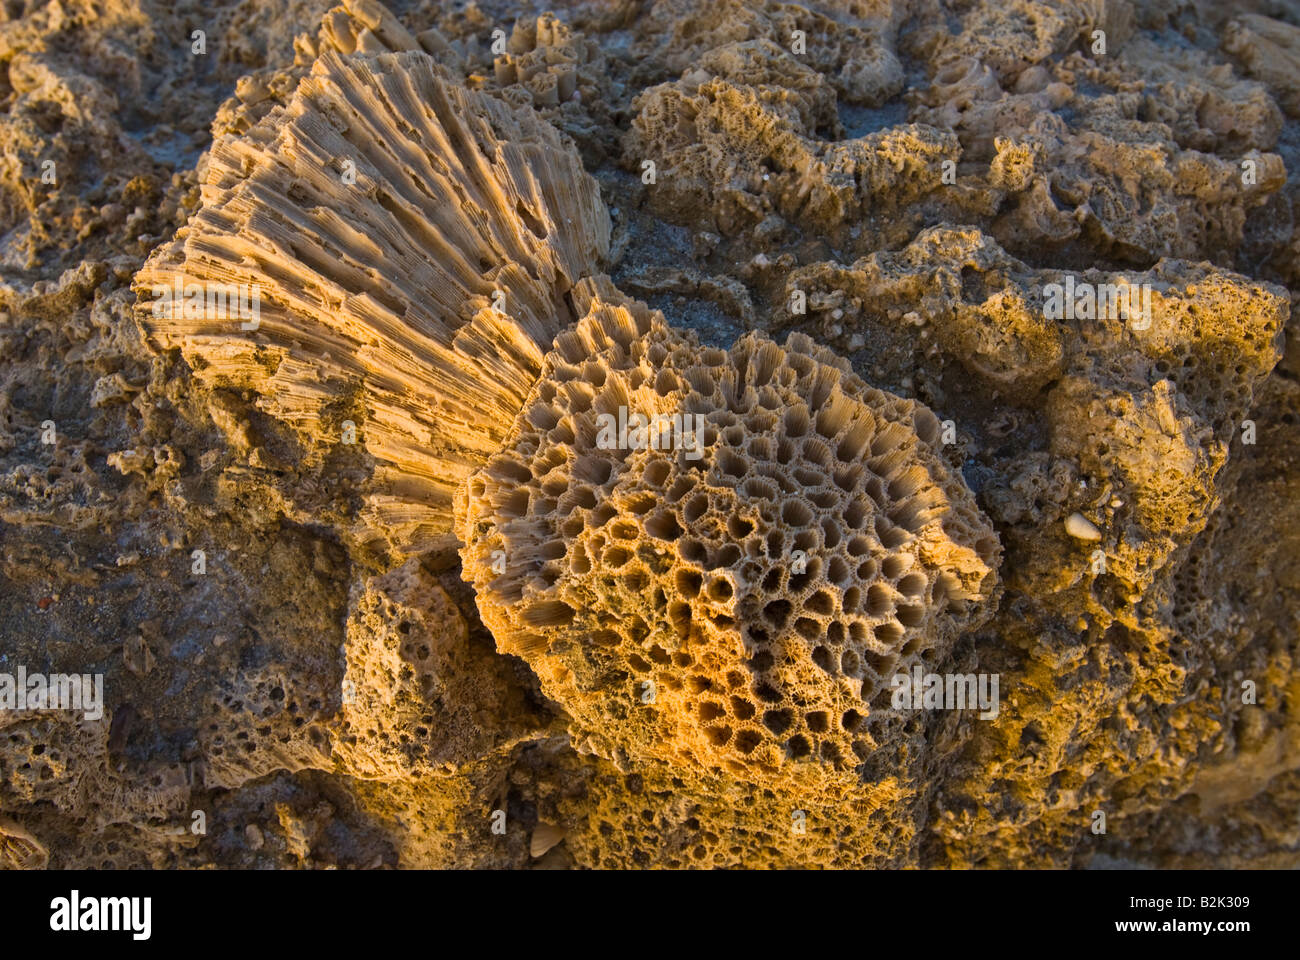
1081,528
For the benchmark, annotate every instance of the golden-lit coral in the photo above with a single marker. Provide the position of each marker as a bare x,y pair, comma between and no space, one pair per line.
721,559
320,436
399,249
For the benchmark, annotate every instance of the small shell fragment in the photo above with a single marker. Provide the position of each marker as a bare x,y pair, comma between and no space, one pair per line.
1081,528
545,836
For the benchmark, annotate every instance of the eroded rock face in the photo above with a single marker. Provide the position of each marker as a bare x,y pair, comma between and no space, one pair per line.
481,634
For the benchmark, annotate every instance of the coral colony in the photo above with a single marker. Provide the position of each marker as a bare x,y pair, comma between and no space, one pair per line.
684,434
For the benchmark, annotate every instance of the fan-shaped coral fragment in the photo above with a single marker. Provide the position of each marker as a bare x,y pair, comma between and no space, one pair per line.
721,558
19,850
399,248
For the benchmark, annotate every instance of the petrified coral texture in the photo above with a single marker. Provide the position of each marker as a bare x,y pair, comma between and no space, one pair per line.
412,243
725,597
743,132
779,542
967,350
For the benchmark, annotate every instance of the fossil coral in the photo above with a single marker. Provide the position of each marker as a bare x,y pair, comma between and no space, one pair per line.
19,850
858,55
483,222
762,663
412,669
779,542
402,536
744,130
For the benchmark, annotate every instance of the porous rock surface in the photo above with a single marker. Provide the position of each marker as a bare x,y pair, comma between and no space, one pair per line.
477,636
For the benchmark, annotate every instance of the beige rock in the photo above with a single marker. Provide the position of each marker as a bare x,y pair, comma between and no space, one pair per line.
545,836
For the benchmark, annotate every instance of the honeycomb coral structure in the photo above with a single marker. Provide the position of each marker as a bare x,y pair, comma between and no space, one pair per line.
368,584
734,590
